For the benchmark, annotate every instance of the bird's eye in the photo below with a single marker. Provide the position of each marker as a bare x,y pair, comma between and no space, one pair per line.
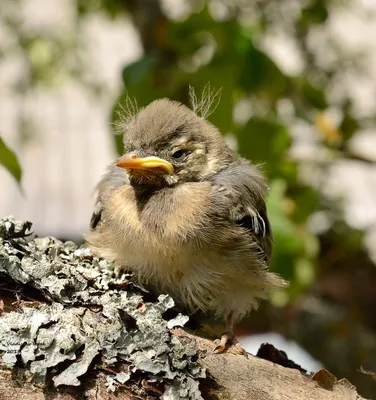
179,154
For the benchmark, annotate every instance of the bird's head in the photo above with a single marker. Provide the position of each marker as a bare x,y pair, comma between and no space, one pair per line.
166,143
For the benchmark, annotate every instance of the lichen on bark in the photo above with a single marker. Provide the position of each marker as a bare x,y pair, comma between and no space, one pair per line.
90,320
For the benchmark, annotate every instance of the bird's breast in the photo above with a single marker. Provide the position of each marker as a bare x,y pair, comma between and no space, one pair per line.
164,228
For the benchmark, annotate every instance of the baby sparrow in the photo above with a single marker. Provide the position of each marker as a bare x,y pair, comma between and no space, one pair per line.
186,215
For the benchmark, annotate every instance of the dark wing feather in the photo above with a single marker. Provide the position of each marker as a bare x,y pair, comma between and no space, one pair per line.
255,224
259,227
240,190
113,178
96,216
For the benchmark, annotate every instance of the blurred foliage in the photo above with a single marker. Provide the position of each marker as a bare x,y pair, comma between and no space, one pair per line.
223,42
9,161
51,56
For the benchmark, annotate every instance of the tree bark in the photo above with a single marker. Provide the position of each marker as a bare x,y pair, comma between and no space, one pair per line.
229,376
70,330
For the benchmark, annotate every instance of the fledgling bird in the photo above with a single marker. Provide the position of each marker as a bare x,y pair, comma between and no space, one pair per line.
186,215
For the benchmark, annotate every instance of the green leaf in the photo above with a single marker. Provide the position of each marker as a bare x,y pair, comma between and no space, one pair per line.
310,95
349,124
259,74
135,72
294,245
9,160
306,199
265,141
287,241
283,226
317,13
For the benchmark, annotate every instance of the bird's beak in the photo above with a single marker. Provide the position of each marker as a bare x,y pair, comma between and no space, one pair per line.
132,161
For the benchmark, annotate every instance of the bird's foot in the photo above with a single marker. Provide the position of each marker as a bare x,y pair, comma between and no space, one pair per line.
227,341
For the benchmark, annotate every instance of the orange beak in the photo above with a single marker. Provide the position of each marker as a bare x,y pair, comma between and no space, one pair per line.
132,161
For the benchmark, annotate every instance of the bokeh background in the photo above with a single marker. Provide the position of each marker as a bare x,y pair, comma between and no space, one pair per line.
298,95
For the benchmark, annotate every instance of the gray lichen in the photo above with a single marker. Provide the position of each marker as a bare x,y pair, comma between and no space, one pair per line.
92,318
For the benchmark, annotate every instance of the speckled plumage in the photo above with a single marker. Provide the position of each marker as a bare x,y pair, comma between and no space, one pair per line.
200,234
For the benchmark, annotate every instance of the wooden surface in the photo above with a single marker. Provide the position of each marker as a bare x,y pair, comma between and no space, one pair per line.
230,376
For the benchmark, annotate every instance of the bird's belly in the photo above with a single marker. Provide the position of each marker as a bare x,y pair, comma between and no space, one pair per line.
178,269
151,252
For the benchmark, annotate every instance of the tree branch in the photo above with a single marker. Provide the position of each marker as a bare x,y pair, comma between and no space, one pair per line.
70,330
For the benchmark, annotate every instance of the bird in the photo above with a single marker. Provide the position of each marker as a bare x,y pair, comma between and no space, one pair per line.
186,215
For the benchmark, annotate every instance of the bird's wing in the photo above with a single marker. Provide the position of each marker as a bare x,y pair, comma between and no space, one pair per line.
257,224
113,178
240,189
96,217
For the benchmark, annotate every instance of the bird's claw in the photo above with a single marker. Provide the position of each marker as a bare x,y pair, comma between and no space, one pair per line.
219,348
226,341
238,349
